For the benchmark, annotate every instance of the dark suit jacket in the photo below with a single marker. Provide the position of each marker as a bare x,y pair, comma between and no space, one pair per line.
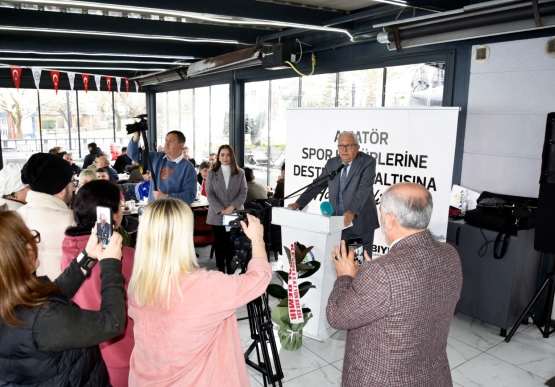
112,173
358,195
220,198
398,311
122,162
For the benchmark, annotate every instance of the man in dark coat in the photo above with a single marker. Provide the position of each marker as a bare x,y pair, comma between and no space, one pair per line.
122,161
94,152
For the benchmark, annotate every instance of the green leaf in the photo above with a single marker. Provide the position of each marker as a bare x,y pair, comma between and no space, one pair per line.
277,291
315,266
288,253
303,267
305,251
282,275
283,303
306,285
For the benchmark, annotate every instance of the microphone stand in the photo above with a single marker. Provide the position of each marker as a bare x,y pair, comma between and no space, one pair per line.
329,176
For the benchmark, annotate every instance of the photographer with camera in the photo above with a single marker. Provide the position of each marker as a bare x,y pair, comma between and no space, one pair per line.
226,189
174,176
186,331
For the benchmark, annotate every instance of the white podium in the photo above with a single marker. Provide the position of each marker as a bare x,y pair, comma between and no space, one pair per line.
323,233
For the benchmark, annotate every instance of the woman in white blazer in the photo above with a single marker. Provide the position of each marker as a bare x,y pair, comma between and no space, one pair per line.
226,189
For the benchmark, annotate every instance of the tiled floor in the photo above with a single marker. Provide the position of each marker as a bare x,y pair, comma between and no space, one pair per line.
478,356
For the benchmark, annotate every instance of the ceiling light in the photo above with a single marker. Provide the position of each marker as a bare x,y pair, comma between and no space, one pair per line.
98,54
190,15
175,63
111,34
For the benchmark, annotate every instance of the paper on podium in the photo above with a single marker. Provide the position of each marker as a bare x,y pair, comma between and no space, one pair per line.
311,222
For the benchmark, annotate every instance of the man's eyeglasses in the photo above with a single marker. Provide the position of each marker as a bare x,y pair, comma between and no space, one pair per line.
346,146
36,235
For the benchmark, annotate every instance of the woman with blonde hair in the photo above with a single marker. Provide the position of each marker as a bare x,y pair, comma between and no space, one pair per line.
186,333
85,176
47,340
226,190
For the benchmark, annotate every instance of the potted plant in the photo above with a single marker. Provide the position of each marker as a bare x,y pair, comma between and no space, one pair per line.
291,335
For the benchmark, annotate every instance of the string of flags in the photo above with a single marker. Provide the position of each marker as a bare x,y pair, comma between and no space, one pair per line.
37,71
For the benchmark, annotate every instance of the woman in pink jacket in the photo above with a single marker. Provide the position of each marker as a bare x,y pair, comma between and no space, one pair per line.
115,352
186,332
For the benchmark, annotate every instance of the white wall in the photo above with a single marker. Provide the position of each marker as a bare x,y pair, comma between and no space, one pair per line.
509,97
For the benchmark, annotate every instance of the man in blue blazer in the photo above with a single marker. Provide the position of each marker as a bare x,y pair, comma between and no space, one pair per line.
351,192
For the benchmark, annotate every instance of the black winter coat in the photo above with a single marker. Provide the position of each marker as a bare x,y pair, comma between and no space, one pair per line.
93,154
58,344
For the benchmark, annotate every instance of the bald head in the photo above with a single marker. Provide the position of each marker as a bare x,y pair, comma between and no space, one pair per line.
102,162
411,205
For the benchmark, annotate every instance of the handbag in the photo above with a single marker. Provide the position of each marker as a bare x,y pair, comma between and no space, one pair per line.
504,213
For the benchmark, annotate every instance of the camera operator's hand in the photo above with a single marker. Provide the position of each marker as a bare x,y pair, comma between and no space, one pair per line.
136,136
254,231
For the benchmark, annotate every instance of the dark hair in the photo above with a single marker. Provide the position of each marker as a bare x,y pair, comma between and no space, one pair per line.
92,145
204,165
233,161
180,136
124,149
283,166
249,174
94,193
20,287
101,170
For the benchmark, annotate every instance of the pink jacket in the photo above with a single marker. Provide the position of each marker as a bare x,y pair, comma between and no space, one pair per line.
196,341
115,352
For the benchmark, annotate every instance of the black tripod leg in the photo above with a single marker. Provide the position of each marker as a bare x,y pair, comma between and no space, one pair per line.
546,330
527,310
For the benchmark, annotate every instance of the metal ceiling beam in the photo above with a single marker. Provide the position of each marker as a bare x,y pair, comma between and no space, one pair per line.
237,8
70,21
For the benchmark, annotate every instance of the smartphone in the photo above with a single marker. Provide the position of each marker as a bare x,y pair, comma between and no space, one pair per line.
356,244
104,225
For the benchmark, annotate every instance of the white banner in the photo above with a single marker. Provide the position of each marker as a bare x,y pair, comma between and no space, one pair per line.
118,82
71,77
410,145
97,81
36,75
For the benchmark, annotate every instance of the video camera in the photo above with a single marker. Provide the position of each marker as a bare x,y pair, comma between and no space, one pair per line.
139,126
241,243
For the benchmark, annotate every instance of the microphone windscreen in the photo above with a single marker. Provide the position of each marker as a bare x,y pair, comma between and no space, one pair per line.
326,209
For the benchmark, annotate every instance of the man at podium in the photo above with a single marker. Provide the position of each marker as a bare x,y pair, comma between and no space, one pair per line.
351,195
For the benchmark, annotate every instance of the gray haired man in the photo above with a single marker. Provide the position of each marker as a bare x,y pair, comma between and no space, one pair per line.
398,308
351,194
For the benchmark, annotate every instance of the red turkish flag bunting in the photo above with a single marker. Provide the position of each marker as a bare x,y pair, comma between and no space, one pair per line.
127,85
55,79
85,81
109,83
16,76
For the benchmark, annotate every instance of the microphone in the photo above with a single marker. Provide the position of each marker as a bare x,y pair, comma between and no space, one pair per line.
332,174
326,208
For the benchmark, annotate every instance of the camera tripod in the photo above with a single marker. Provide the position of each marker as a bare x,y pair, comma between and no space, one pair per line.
549,287
261,327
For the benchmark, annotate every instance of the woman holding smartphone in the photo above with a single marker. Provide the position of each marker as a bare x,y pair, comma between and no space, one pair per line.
226,189
104,195
186,332
47,340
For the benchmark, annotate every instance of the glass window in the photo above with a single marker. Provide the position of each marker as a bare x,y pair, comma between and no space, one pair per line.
361,88
318,90
201,135
186,120
414,85
219,119
96,120
256,131
285,94
127,106
58,115
19,124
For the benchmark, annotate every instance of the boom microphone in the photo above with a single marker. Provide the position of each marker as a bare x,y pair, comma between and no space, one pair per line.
332,174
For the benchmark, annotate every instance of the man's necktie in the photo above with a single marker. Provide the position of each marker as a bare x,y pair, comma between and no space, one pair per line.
340,205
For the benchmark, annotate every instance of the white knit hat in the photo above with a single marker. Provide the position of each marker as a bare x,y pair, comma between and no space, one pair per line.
10,179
